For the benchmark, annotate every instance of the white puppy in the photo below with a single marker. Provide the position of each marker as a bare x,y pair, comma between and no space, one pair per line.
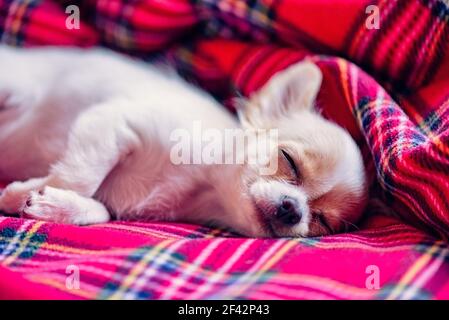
89,133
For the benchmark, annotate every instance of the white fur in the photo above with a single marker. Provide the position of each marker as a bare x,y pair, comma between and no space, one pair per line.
92,127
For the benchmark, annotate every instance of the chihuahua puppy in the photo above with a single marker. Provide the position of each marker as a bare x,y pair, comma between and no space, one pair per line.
86,136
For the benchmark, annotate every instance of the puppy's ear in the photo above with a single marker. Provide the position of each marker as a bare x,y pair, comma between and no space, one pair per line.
289,90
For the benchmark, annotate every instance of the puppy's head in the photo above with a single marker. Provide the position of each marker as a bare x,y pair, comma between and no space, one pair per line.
318,186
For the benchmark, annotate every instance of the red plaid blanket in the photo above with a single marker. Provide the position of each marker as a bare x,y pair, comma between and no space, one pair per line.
389,86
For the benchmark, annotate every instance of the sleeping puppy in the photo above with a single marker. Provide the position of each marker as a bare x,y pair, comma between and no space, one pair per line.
88,135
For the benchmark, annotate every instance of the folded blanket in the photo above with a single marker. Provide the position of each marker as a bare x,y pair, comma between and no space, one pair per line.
389,86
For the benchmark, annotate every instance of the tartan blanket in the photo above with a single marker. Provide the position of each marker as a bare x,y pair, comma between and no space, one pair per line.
388,84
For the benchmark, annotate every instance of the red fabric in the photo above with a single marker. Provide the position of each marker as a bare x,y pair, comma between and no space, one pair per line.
124,260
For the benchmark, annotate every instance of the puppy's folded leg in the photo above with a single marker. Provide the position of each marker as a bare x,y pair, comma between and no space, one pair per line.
15,194
33,199
99,139
64,206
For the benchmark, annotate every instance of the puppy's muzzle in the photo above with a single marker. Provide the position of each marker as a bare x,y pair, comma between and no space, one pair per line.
288,213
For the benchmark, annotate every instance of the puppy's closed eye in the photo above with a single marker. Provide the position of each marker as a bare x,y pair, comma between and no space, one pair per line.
321,218
291,163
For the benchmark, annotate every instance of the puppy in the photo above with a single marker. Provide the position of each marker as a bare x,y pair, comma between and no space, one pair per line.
88,135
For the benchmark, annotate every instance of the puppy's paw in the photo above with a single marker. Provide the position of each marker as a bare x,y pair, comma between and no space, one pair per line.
63,206
51,204
8,101
13,197
4,96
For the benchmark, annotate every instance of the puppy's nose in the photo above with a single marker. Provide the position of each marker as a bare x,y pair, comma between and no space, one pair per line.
287,213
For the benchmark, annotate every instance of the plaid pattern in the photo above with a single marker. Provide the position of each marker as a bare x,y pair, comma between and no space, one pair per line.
387,86
174,261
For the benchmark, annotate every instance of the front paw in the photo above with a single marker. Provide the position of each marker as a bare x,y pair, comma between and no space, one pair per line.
12,198
4,97
47,204
8,101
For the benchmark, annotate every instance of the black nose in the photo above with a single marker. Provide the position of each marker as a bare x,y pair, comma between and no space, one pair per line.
287,212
